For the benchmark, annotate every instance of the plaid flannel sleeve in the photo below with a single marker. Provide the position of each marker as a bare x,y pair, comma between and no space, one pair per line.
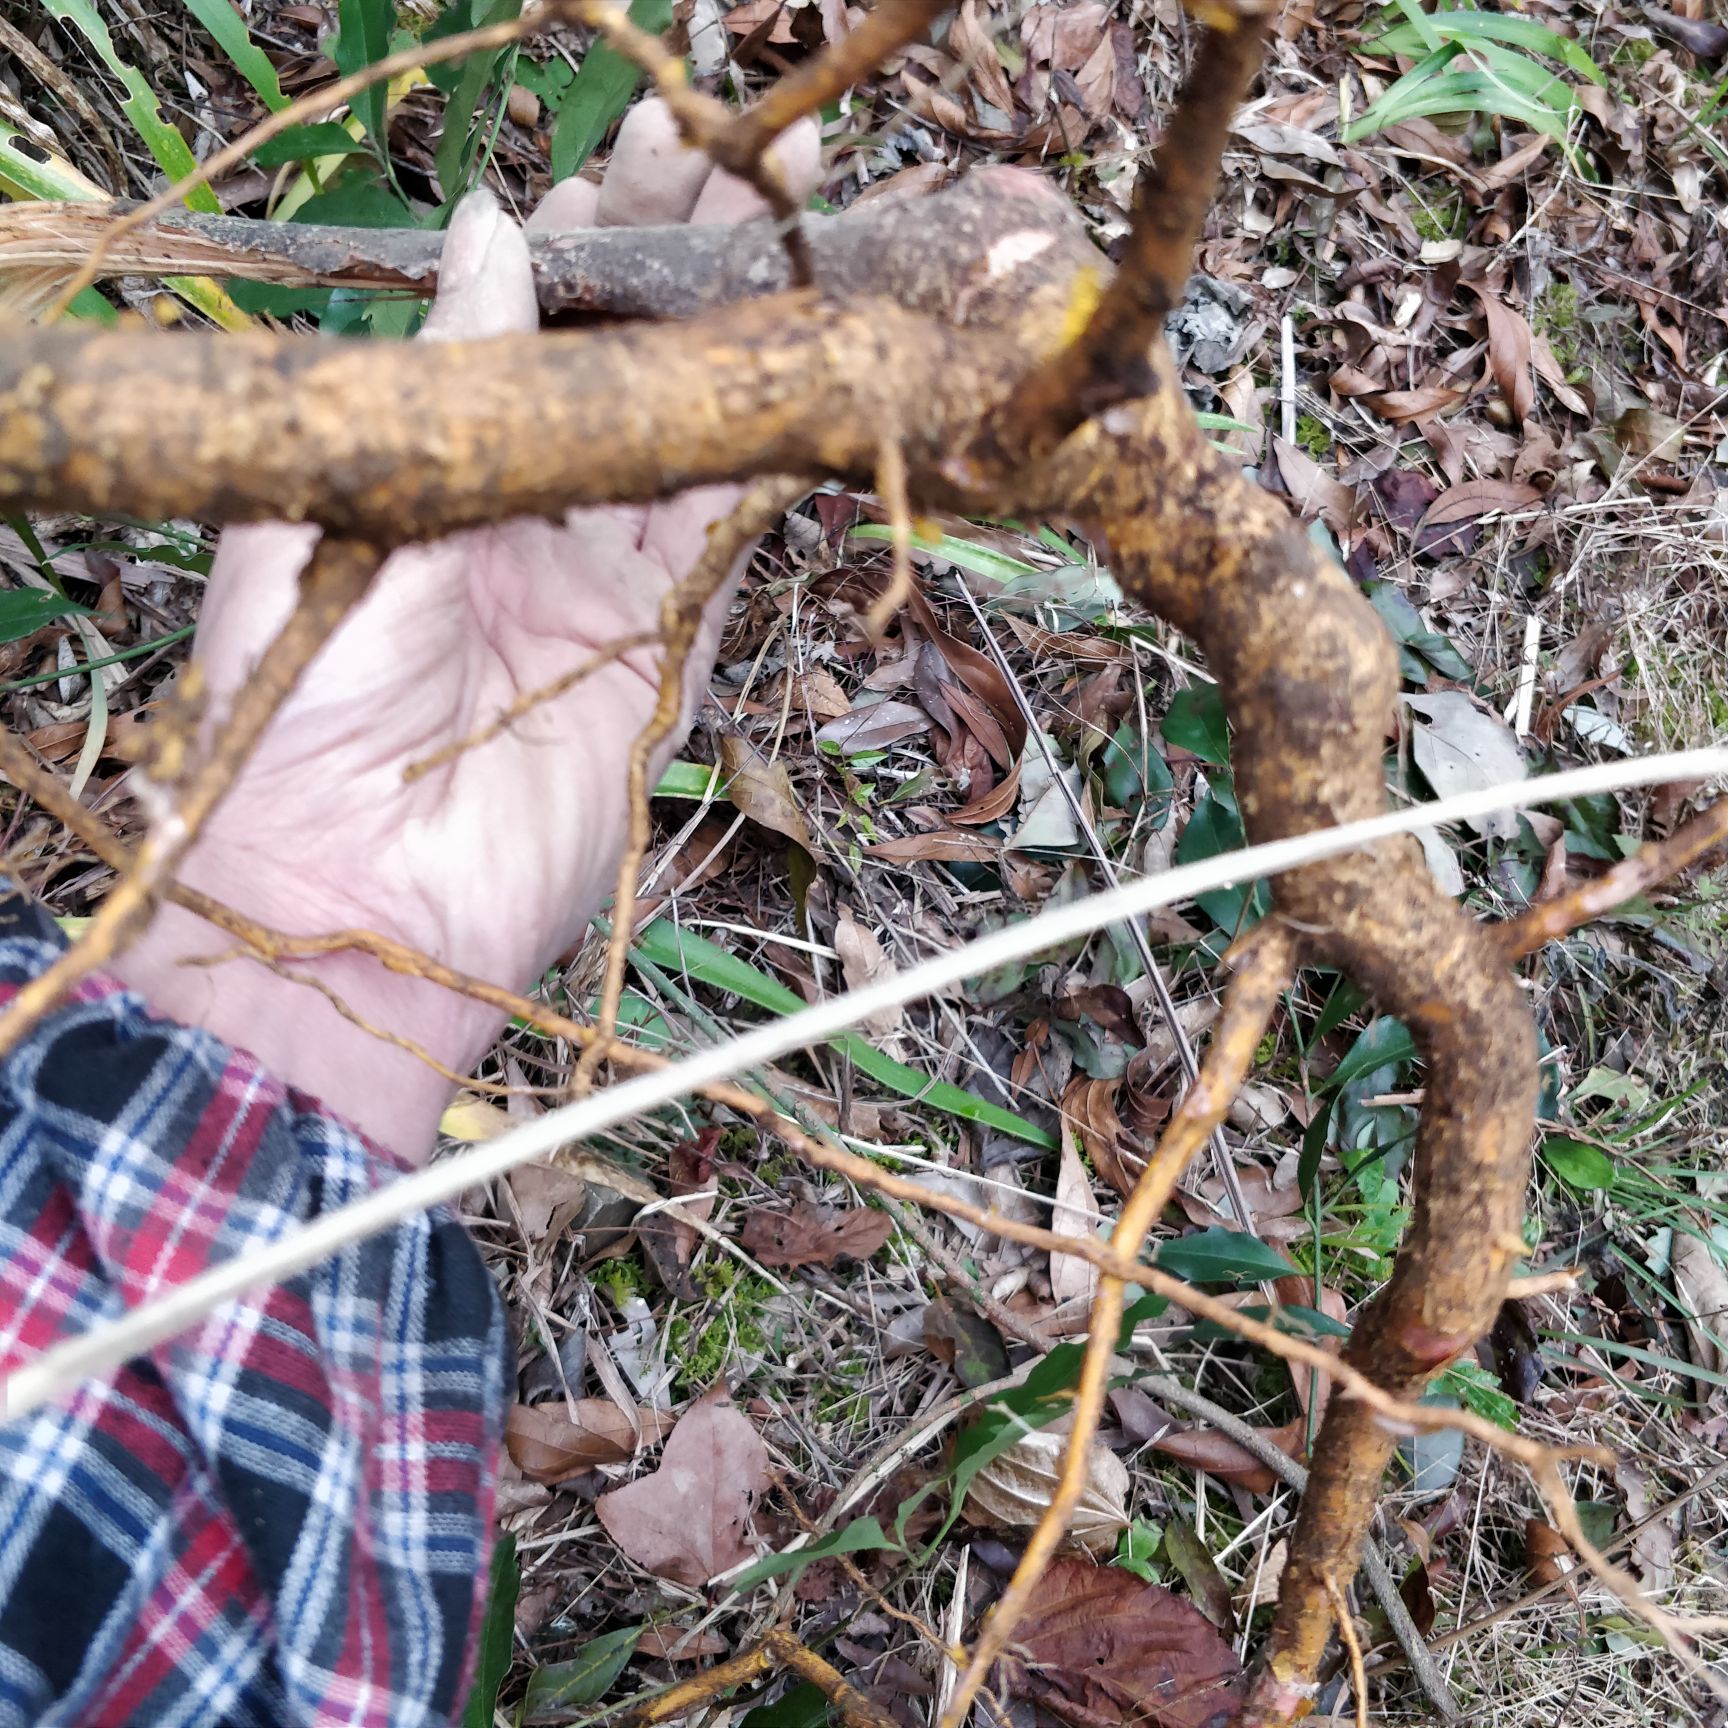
282,1518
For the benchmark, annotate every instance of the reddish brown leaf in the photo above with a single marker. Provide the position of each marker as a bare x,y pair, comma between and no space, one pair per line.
1090,1105
690,1519
1401,405
992,805
1218,1455
808,1235
1448,524
1101,1648
546,1446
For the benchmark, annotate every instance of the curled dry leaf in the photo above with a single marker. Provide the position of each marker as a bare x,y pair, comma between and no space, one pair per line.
1091,1106
1012,1491
809,1235
547,1446
689,1521
1509,350
1100,1649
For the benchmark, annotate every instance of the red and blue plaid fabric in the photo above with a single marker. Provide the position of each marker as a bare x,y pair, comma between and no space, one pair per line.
283,1517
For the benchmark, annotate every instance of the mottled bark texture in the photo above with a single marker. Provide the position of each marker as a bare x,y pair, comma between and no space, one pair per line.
939,318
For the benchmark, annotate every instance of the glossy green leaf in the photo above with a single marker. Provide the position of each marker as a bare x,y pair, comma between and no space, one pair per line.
23,611
600,92
228,30
497,1632
364,40
1383,1043
1135,775
458,156
586,1678
1408,631
804,1706
861,1536
684,952
965,555
305,143
1577,1163
1216,828
1196,722
1220,1256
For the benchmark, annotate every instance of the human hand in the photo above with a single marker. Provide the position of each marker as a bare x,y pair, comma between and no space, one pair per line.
495,860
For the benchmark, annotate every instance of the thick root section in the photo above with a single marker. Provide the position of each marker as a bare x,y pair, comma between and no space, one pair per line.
1309,679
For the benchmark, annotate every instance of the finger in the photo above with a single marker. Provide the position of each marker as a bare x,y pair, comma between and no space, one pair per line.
726,198
573,203
485,281
253,586
652,177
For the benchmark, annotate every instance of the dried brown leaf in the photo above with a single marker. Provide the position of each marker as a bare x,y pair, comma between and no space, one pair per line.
763,790
1509,350
808,1235
863,960
1100,1649
1074,1214
547,1446
689,1520
1091,1106
1218,1455
1012,1491
941,845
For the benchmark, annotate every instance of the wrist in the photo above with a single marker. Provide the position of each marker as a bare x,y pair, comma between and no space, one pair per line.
293,1028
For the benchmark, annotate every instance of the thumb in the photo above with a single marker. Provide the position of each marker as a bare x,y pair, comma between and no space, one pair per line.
485,279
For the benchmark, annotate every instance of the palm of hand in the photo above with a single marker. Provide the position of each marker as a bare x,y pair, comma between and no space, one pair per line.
495,859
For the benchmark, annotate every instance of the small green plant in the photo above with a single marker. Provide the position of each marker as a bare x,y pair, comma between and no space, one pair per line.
1471,62
1312,435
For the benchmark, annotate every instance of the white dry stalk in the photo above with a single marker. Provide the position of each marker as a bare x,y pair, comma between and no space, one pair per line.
108,1346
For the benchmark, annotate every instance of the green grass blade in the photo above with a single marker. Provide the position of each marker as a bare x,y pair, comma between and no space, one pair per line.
684,953
171,152
228,30
600,92
1477,29
963,554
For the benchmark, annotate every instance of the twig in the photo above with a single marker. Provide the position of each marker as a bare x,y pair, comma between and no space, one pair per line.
706,124
191,783
891,486
777,1646
681,614
1416,1651
1625,1588
1352,1648
1107,363
1652,863
886,28
1266,963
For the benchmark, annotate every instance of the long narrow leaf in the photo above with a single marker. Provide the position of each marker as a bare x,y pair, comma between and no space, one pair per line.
1474,28
228,30
684,952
